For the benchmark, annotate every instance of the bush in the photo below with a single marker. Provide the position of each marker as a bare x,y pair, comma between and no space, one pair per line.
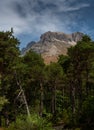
32,123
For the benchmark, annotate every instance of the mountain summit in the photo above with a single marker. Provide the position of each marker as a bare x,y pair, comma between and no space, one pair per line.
53,44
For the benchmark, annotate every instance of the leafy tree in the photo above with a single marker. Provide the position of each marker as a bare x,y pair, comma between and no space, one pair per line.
79,70
9,53
87,118
35,78
55,74
81,61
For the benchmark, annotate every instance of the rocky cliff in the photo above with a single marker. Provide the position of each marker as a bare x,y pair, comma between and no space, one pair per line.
53,44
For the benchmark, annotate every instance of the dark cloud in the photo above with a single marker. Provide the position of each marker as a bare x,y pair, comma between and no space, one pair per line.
19,9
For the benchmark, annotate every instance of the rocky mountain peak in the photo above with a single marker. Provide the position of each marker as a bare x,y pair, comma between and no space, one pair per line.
53,44
52,36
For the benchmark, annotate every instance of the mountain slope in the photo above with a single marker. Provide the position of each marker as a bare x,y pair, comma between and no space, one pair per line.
53,44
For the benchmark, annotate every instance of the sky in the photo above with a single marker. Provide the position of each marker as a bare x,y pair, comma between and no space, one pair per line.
31,18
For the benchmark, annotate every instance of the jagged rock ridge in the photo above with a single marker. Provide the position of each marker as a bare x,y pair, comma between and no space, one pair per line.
53,44
28,47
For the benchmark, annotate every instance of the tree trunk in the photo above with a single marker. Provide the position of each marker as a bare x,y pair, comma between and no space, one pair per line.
72,96
87,80
79,91
23,96
6,119
41,99
26,104
53,101
0,120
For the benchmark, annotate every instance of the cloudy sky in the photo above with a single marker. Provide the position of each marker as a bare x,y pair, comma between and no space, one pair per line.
31,18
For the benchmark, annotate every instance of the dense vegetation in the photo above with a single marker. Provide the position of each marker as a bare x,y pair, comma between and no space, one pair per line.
35,96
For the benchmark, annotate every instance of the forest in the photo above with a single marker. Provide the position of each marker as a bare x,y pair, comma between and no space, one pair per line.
35,96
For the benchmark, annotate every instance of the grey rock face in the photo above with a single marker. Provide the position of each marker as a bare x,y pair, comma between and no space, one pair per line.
52,44
50,36
28,47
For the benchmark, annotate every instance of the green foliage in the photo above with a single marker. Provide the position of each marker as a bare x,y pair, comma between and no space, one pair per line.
88,110
64,89
32,123
77,129
9,54
31,59
3,101
54,70
67,117
64,61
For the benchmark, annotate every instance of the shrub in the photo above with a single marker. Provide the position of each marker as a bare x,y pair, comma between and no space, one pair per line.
31,123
